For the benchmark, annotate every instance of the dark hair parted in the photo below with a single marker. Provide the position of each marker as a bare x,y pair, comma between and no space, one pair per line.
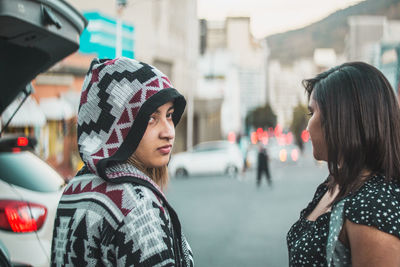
360,118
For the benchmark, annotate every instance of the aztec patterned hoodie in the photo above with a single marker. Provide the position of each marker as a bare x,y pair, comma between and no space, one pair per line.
112,214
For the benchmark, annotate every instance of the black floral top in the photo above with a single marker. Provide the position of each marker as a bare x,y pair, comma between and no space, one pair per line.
376,203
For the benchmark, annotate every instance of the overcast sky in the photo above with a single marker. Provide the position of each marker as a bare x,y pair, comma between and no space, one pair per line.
272,16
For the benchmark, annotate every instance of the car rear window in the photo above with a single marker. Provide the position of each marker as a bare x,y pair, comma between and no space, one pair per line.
211,146
28,171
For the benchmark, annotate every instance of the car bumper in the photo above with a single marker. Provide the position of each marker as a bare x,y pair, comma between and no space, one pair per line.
33,252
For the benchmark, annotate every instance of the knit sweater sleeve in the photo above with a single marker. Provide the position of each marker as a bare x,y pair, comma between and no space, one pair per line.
144,237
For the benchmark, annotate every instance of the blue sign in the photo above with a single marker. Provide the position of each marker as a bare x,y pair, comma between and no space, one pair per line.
100,37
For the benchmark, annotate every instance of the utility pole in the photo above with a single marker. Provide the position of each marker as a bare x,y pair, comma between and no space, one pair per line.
192,42
118,46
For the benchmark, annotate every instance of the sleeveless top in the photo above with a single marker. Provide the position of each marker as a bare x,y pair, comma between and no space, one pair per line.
376,203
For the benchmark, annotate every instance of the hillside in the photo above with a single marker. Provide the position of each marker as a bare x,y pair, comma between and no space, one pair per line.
329,32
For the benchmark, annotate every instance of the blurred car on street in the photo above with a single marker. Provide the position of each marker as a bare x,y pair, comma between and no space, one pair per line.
214,157
34,35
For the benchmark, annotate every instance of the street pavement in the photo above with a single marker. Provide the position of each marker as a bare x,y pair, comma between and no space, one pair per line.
230,222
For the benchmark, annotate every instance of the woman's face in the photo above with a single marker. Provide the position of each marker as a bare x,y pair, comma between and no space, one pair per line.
155,147
314,127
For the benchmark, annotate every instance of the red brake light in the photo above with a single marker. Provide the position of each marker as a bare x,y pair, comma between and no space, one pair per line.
278,130
19,216
22,141
253,138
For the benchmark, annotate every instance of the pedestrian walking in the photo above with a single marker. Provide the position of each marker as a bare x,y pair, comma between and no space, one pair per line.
354,217
114,212
263,165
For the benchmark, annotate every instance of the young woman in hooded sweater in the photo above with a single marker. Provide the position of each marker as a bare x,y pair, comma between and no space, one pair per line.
114,212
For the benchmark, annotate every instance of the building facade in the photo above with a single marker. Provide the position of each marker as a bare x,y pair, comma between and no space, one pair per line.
285,89
376,40
166,36
233,71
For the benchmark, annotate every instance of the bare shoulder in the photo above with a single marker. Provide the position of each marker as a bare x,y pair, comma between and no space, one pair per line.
372,247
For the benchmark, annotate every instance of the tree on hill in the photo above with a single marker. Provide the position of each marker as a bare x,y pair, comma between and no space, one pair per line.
261,117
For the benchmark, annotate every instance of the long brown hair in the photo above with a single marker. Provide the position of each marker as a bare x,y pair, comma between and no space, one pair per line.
361,124
158,175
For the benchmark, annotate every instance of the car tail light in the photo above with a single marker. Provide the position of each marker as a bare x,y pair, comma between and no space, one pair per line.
295,154
22,141
21,217
283,155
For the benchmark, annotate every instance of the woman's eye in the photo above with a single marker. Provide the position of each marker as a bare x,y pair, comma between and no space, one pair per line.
169,115
151,119
309,114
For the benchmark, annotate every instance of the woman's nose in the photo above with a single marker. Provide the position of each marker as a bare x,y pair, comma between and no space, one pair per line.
167,129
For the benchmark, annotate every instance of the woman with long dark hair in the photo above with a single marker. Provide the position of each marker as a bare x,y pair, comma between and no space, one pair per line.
354,217
114,212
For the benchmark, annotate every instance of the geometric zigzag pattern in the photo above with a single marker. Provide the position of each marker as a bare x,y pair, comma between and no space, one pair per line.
104,224
113,92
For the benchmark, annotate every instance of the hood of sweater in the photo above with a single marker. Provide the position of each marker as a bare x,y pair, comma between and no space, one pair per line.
117,99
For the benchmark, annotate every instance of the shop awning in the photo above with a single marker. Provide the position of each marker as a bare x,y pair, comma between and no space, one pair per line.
56,109
29,114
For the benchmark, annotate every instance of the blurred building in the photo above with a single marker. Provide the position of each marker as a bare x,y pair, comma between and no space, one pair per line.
376,40
249,57
388,61
232,72
166,36
214,78
285,90
324,58
365,35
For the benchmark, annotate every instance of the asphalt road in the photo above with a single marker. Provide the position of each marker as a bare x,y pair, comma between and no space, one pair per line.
231,222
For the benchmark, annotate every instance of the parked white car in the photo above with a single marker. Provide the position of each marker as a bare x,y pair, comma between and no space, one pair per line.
215,157
29,193
34,35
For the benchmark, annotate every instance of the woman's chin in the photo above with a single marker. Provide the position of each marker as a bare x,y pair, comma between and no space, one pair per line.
317,156
158,164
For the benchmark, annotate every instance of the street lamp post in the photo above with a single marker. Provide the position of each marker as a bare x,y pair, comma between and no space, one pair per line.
118,46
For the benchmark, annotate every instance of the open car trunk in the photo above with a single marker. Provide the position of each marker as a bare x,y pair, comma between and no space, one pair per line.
34,35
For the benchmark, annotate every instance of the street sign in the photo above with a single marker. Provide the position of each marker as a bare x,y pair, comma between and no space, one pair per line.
100,37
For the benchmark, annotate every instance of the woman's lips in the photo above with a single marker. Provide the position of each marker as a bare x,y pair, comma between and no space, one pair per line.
165,149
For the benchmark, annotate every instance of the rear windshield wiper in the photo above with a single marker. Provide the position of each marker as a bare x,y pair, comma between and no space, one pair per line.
27,92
